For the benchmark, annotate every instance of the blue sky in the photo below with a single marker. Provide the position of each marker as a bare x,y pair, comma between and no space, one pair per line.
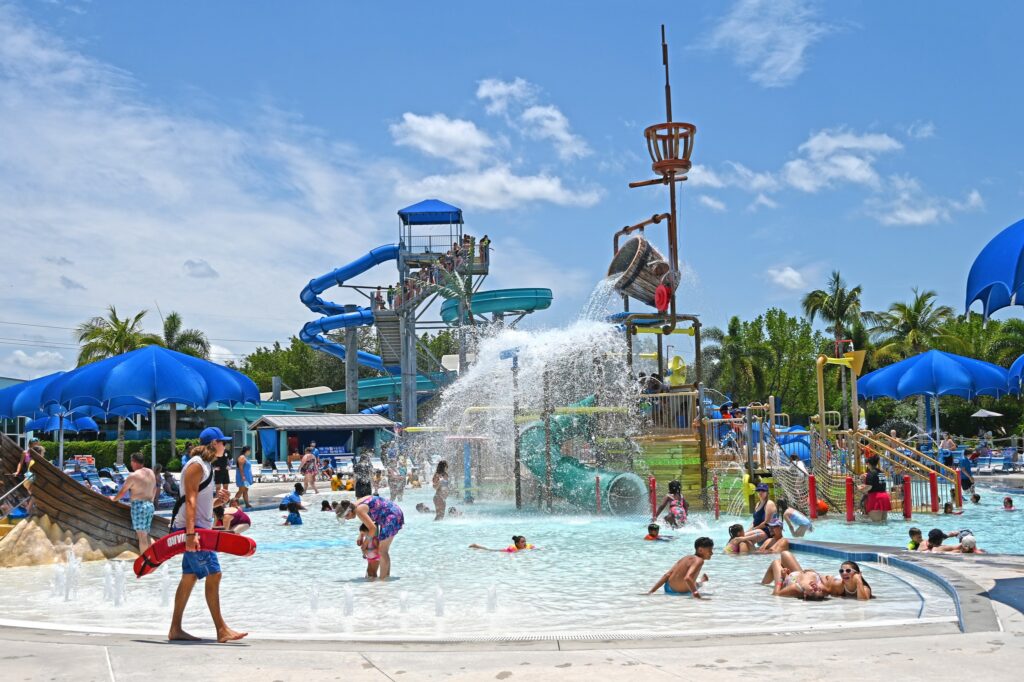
211,158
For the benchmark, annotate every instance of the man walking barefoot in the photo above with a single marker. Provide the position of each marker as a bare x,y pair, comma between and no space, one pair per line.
195,510
140,484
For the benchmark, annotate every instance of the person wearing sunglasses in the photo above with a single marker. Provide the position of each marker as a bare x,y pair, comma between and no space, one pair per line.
851,583
792,580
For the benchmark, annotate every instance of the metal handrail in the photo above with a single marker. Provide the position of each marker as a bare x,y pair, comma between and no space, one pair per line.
9,492
894,444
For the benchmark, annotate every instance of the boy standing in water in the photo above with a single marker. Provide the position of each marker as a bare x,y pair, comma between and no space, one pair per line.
681,579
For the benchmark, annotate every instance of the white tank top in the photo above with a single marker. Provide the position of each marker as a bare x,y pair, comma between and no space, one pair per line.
204,500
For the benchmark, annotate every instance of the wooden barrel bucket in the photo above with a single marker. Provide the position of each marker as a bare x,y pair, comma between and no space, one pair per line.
640,269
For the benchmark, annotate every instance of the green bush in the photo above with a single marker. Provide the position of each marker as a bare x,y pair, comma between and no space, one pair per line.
174,464
105,451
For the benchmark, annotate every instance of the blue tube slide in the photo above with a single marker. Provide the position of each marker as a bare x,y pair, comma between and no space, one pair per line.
335,315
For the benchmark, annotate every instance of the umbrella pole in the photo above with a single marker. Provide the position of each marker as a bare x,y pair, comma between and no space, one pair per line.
152,435
60,445
937,431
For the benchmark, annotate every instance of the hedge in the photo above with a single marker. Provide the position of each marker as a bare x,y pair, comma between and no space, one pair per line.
105,451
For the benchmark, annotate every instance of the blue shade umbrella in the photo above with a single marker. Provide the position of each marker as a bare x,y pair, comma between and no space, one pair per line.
935,373
149,377
1016,372
997,275
51,424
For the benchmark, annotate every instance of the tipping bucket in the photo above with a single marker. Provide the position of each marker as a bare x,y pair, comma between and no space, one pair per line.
640,269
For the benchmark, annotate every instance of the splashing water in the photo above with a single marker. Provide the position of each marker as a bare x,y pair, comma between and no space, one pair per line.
348,604
403,602
598,305
108,581
439,602
314,599
492,599
165,585
120,584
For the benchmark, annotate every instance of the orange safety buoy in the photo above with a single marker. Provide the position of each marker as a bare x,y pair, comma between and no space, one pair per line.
662,295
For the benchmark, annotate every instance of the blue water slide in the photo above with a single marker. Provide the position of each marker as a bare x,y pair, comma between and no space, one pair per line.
338,316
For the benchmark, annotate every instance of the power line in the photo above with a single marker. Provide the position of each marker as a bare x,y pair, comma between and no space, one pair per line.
50,326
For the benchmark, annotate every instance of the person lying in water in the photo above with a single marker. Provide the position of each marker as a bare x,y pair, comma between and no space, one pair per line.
775,542
423,509
519,544
654,534
681,579
738,543
789,579
851,583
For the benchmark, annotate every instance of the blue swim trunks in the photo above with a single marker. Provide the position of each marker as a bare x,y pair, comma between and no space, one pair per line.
200,564
669,590
142,515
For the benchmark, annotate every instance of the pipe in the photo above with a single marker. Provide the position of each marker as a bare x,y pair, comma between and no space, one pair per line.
850,511
653,220
933,488
819,369
717,500
908,503
652,483
597,492
517,466
812,496
152,435
959,490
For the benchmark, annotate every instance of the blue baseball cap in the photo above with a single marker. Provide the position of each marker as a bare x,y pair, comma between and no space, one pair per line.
212,433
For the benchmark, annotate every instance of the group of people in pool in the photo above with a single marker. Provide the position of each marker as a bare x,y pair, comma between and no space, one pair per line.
785,574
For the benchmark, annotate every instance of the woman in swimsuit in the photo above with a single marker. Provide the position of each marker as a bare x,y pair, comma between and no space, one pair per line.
383,519
791,580
763,513
851,583
677,505
441,489
243,477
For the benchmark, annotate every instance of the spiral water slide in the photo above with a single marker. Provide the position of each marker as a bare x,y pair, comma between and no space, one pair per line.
339,316
621,492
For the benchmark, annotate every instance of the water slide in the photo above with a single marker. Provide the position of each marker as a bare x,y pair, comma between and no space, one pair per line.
621,492
499,301
336,316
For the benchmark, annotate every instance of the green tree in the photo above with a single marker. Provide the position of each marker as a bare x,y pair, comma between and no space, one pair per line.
839,307
190,342
735,360
106,337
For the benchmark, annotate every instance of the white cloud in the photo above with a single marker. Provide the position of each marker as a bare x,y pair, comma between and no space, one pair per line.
222,354
200,269
702,176
547,122
70,284
837,156
498,187
499,94
921,130
711,202
35,365
906,203
751,181
787,277
770,37
762,201
455,140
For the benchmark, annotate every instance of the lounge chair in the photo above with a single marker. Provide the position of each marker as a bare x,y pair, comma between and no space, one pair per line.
266,472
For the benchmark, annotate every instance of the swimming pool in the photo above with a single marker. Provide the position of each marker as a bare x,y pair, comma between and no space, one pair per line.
589,577
995,530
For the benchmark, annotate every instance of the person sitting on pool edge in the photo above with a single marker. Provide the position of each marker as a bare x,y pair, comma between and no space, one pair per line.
654,533
738,543
519,544
681,579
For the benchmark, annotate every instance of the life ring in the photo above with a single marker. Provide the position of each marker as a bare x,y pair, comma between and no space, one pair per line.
662,297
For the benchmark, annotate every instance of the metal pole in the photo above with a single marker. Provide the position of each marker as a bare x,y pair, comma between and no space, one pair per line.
938,433
351,368
467,471
547,437
152,435
60,445
515,429
750,453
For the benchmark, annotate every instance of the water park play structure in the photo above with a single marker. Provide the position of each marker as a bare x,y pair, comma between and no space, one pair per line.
429,232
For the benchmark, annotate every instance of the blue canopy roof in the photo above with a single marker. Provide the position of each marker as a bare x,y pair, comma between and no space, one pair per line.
997,275
430,212
934,373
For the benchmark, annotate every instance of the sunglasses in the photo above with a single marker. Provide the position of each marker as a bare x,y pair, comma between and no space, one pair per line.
846,570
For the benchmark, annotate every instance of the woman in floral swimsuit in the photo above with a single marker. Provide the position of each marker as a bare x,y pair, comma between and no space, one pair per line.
383,519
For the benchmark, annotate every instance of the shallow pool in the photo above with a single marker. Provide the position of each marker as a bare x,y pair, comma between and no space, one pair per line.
995,530
590,576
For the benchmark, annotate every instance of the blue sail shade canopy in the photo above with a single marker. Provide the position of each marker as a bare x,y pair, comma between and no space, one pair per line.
149,377
997,275
51,424
935,373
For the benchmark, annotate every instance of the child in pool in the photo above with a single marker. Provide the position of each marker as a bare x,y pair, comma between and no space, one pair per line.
368,546
293,518
654,533
681,579
1008,504
948,509
519,544
738,542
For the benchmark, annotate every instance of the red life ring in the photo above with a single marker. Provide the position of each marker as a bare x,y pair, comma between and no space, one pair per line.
662,296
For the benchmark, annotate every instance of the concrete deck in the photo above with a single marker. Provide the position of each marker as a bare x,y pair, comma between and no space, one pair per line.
992,648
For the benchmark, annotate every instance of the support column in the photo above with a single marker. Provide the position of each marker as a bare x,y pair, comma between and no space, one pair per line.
351,367
409,371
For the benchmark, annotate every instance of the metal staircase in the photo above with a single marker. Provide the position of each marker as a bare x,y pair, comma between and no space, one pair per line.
389,332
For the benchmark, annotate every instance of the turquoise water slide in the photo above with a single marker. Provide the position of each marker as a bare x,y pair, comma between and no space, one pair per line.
499,301
621,492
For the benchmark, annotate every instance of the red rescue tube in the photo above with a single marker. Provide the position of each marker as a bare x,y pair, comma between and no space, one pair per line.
173,544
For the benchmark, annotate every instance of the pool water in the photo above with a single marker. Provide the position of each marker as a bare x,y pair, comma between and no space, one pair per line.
995,530
590,576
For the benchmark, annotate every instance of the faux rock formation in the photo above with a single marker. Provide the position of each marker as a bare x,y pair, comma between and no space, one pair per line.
39,541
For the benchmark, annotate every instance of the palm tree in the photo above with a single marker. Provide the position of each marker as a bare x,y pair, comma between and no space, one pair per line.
907,329
459,287
839,308
190,342
733,363
106,337
1008,344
